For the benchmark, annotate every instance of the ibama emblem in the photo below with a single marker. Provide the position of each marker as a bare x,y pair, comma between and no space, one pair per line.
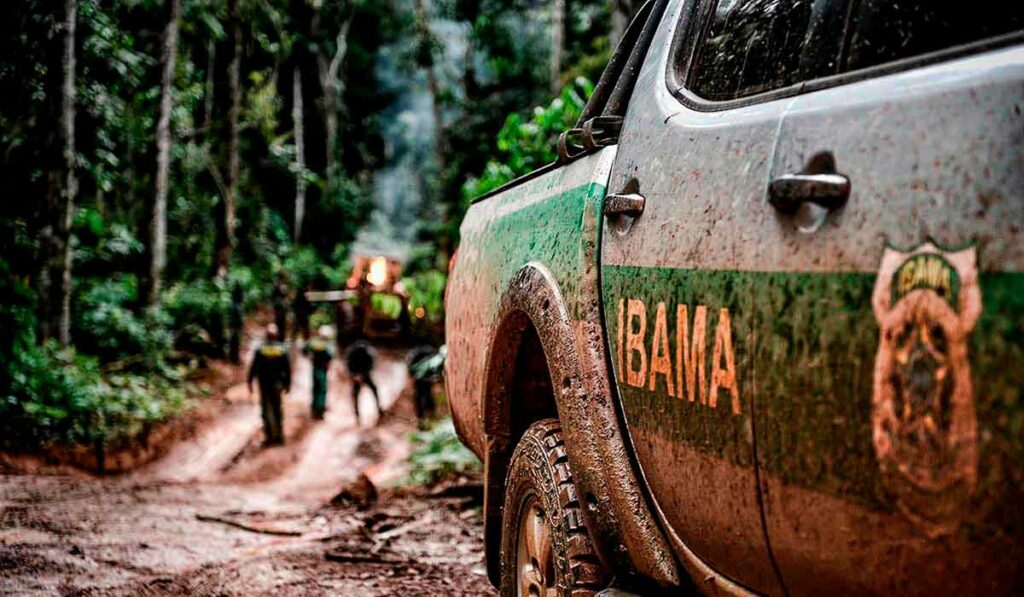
924,426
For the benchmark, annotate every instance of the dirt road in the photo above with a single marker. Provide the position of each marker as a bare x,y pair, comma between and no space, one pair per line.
222,515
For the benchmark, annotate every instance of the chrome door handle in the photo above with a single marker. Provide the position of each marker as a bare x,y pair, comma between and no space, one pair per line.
630,204
787,192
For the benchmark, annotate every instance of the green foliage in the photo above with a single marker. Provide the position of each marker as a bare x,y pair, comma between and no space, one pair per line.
48,394
388,305
437,454
254,292
426,292
62,396
527,144
306,267
117,375
199,311
109,327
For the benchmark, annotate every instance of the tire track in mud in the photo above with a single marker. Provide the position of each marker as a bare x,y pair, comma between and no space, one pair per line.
139,533
230,449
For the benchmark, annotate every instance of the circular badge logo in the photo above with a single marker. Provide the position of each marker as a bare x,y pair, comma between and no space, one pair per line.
924,426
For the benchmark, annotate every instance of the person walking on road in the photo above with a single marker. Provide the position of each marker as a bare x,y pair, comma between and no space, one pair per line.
359,357
270,366
320,352
279,300
425,367
302,309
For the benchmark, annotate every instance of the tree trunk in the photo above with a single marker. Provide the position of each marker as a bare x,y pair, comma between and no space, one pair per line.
557,43
234,92
300,154
208,90
69,188
440,138
620,20
333,88
158,234
622,12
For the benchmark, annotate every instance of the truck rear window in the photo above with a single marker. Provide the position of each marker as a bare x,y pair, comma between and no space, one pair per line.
888,30
754,46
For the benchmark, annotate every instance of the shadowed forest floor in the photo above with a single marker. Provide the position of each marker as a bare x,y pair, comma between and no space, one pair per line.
220,514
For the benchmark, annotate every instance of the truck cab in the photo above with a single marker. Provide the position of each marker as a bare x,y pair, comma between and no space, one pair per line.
760,329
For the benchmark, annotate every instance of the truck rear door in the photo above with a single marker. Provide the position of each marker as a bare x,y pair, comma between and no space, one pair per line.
890,335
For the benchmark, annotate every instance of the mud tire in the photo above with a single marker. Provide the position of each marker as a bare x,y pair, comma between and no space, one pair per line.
539,471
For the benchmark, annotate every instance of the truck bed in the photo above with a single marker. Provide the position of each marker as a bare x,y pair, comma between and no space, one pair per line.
554,220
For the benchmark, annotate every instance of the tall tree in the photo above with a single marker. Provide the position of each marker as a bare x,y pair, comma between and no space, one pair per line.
428,47
557,44
469,11
158,228
227,241
208,85
333,87
69,188
621,11
300,154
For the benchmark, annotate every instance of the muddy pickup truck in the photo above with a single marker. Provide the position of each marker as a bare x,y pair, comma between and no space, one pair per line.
760,328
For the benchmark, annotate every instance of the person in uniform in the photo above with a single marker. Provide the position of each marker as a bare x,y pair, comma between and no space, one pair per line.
320,352
359,358
302,308
279,300
425,367
270,366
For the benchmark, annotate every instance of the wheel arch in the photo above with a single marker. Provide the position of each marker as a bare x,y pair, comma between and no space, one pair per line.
532,316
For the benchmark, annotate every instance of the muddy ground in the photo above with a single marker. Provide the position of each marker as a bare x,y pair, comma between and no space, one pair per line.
218,514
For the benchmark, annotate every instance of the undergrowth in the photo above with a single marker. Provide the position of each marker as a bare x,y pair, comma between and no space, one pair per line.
437,454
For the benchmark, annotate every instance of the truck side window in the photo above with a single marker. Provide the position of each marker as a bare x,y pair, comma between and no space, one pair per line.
884,31
753,46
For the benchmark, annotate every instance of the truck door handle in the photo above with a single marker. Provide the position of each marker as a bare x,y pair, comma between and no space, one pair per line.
627,204
787,192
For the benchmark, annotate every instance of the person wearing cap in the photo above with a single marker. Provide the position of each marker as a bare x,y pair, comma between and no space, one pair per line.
320,353
271,367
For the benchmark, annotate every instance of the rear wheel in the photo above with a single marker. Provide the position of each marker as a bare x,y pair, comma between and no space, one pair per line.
545,548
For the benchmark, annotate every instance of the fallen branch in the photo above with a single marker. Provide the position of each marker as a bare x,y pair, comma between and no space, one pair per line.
247,527
363,558
405,528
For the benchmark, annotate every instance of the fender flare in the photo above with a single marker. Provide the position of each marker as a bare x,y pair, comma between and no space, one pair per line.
621,523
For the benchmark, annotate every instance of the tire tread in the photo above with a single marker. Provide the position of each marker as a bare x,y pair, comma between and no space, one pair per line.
540,459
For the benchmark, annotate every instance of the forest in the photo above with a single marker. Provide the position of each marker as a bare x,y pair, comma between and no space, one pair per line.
157,154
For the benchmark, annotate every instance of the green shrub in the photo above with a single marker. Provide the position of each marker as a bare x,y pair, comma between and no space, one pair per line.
199,310
108,326
305,268
58,395
527,144
426,292
254,292
437,453
388,305
104,245
54,395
